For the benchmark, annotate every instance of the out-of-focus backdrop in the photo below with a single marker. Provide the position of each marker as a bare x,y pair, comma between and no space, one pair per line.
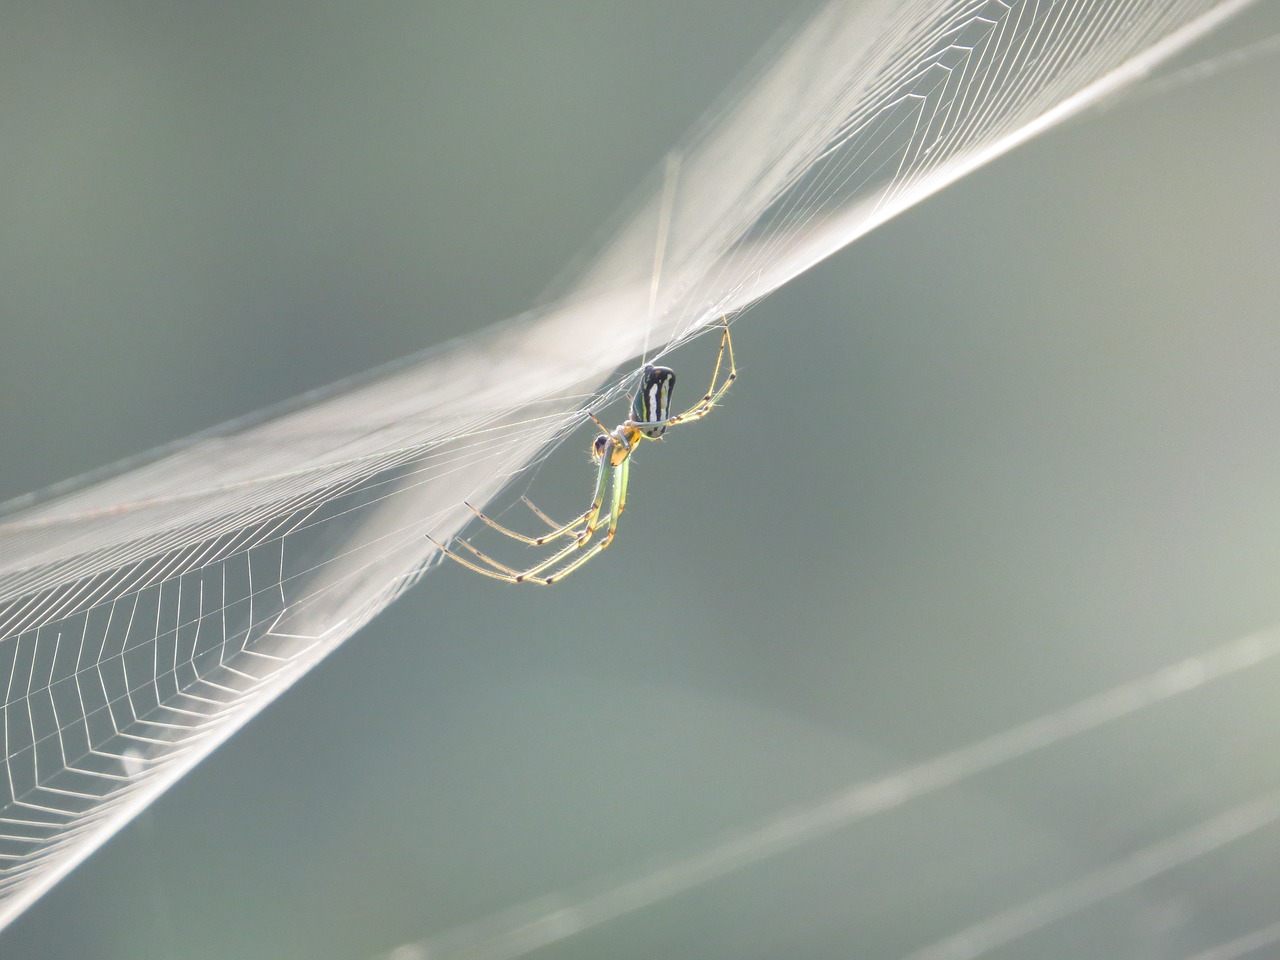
1013,449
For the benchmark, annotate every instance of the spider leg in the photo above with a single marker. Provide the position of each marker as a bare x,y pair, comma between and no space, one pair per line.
547,520
500,571
557,530
615,512
713,394
608,476
485,558
496,574
612,444
505,531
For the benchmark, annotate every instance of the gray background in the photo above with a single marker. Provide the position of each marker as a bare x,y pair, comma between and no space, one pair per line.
1011,449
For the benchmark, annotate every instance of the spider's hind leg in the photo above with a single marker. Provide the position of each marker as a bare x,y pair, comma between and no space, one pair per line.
714,392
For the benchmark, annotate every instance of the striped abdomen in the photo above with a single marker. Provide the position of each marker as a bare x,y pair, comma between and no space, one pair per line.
652,402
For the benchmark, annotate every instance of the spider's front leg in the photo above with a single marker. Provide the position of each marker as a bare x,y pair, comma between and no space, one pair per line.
557,531
619,503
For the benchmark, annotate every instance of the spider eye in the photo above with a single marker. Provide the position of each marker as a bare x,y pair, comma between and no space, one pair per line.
598,447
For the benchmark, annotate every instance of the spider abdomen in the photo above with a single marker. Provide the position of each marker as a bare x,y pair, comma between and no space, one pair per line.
651,406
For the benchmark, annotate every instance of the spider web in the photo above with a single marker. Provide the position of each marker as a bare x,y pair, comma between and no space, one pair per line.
148,611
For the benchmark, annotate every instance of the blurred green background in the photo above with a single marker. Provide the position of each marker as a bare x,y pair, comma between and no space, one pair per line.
1012,449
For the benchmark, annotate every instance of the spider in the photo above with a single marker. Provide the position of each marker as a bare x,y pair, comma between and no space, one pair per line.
612,449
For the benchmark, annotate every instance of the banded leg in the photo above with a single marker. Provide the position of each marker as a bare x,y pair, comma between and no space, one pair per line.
500,571
713,394
558,530
618,505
